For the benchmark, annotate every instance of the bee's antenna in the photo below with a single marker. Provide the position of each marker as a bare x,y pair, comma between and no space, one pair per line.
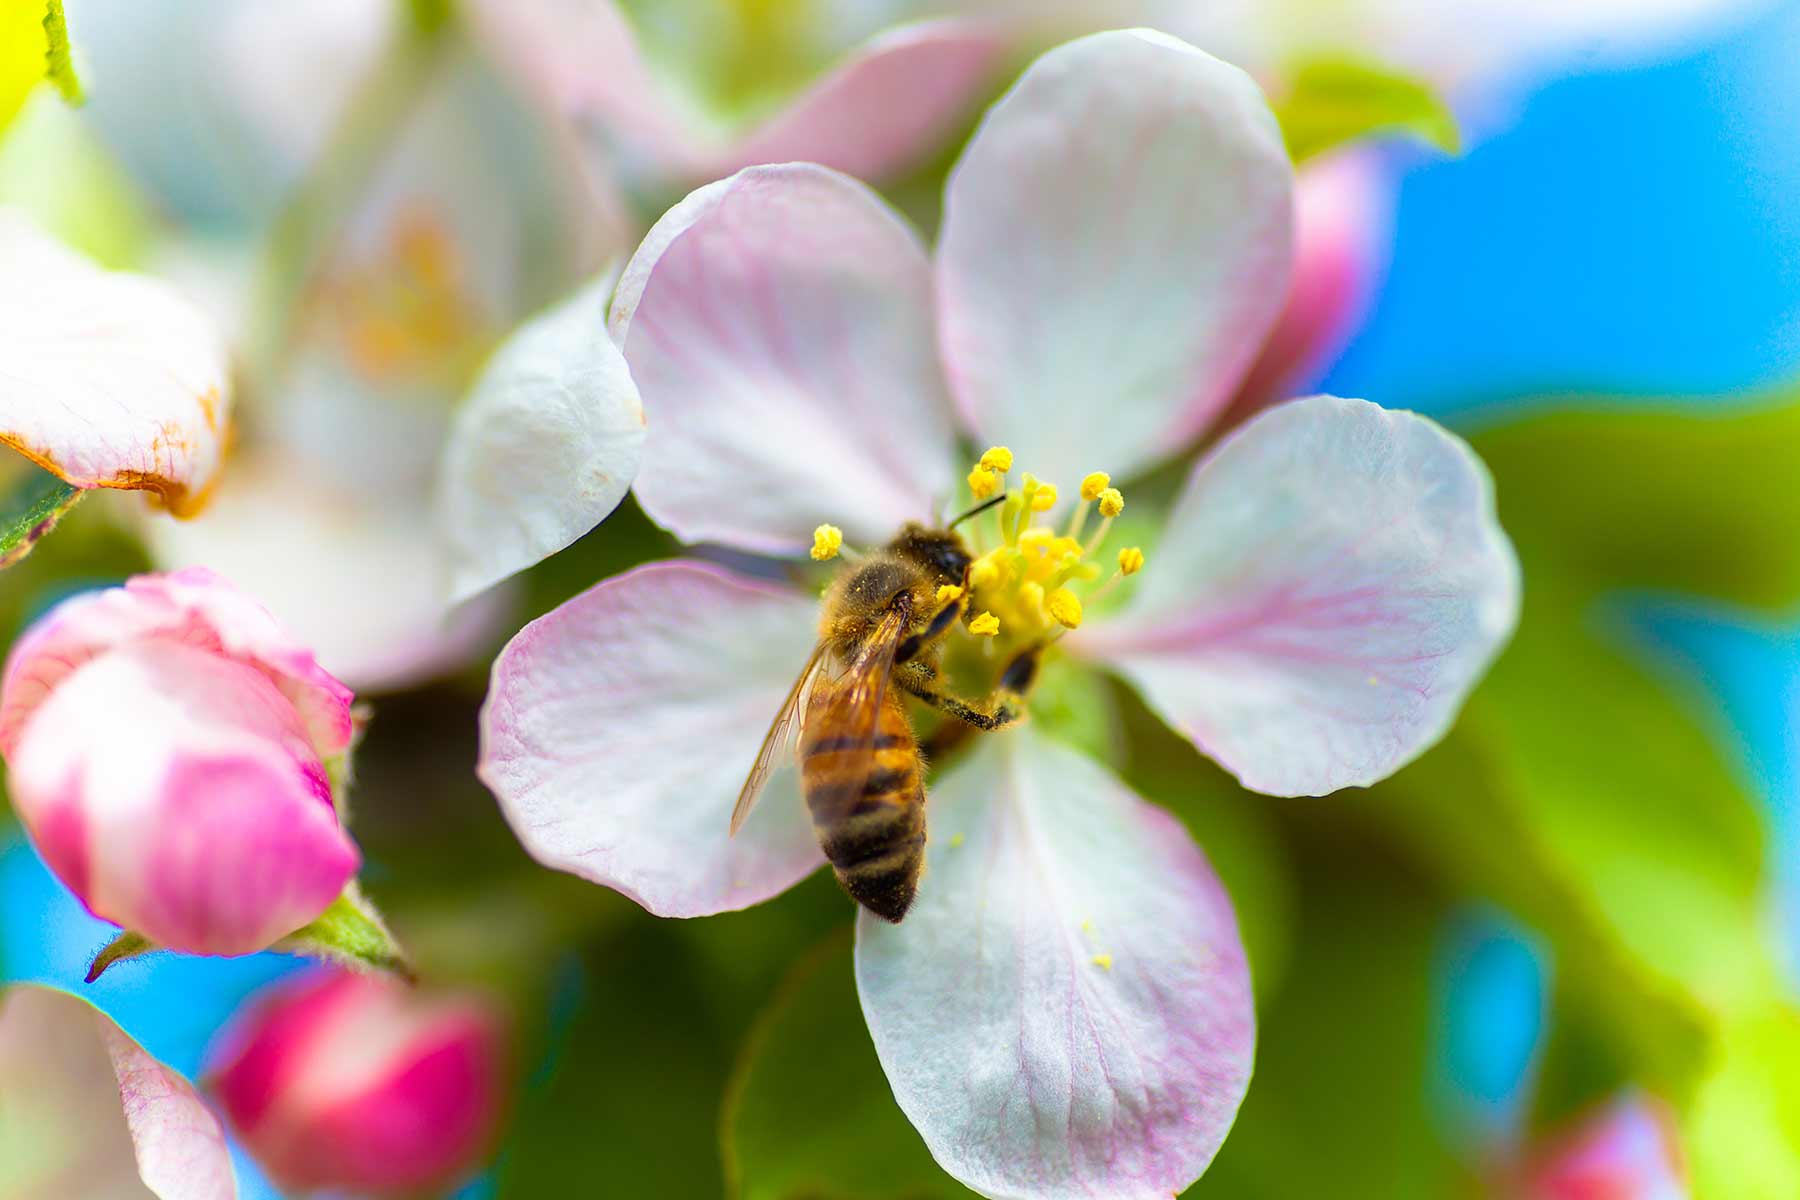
977,510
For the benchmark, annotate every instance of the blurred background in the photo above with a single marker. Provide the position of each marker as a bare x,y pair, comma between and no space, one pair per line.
1590,891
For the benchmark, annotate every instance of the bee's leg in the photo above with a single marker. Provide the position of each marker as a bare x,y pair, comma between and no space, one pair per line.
918,679
915,644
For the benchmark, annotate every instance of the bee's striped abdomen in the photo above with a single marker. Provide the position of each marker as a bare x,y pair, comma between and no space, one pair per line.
876,838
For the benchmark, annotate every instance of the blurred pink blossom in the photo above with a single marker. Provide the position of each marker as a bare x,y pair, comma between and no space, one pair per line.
346,1081
170,751
1625,1151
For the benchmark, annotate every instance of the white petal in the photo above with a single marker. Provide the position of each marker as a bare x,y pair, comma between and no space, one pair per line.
1115,249
348,574
544,447
1066,1010
85,1112
778,324
619,728
1332,583
107,379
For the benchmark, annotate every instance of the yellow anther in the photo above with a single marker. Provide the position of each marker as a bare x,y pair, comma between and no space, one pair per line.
984,572
1031,595
1093,485
1065,606
997,458
1131,560
948,593
983,483
985,625
1112,502
827,541
1036,540
1044,499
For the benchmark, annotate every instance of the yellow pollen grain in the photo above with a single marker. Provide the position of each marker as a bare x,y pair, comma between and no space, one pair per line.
1103,961
827,541
997,458
956,839
949,592
1131,560
1065,606
1093,485
983,483
984,572
985,625
1044,499
1112,502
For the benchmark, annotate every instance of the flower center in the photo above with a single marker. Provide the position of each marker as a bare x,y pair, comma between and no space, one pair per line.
1029,582
407,313
1034,580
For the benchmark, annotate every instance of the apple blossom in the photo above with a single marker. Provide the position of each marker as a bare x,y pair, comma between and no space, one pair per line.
1625,1151
111,380
892,98
353,1082
85,1112
171,753
1065,1010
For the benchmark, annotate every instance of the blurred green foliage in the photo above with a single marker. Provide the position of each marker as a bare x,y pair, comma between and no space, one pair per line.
1331,101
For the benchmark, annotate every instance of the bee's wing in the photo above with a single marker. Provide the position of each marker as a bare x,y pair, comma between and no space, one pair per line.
848,714
778,745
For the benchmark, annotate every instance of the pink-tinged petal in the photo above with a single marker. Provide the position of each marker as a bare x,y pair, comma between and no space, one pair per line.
1626,1152
1342,236
778,325
581,60
112,380
85,1112
889,104
345,1081
193,607
176,793
1332,583
1115,249
544,447
619,729
1066,1010
346,573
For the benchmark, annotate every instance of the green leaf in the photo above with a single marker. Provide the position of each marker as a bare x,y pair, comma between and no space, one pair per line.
1697,501
1331,101
59,63
31,511
1743,1128
126,945
809,1112
352,933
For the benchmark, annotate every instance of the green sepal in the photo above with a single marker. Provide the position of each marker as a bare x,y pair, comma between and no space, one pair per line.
1331,101
31,511
59,62
352,934
126,945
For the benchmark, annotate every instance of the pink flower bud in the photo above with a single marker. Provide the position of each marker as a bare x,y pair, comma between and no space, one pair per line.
1624,1152
355,1082
167,746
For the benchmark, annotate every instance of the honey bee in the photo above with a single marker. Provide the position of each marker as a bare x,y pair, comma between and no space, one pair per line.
861,767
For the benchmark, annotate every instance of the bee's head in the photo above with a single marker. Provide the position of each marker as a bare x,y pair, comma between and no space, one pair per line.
939,551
